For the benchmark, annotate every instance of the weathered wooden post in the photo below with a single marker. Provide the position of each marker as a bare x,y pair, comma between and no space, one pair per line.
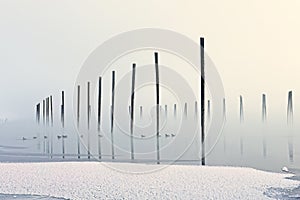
241,109
290,108
241,121
38,117
166,111
264,108
112,115
44,135
37,114
208,111
47,123
185,110
88,120
132,109
290,116
175,111
264,118
224,118
157,105
202,100
51,132
62,119
78,120
43,111
99,116
141,112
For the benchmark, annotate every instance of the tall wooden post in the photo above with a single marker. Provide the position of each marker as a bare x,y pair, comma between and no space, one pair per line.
38,113
264,108
99,116
44,112
166,111
157,106
290,108
112,115
175,111
290,116
208,111
51,133
88,119
141,111
47,122
62,119
78,120
241,109
185,110
132,109
38,117
202,100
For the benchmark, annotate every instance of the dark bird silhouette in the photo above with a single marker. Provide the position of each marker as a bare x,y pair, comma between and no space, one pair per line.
173,135
142,136
167,135
58,137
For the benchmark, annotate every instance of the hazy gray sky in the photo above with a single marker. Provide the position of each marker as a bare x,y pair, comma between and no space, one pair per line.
254,44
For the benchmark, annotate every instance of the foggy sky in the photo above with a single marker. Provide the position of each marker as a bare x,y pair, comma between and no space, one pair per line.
254,44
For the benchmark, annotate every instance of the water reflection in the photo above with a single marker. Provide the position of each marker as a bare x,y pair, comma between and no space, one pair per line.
267,146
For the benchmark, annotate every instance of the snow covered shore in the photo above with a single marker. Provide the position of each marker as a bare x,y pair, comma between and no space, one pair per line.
93,180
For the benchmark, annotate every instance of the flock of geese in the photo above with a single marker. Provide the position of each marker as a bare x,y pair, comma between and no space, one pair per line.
45,137
166,135
65,136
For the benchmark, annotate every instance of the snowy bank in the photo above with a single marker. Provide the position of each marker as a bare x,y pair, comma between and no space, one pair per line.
93,180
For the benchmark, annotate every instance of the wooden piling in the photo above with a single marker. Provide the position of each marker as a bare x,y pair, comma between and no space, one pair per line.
44,113
202,100
112,115
141,112
175,111
132,109
166,111
290,108
185,110
264,108
78,120
241,109
51,133
62,119
157,106
88,120
99,115
208,111
38,113
47,124
38,117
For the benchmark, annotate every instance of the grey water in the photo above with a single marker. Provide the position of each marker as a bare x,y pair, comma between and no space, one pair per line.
269,146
